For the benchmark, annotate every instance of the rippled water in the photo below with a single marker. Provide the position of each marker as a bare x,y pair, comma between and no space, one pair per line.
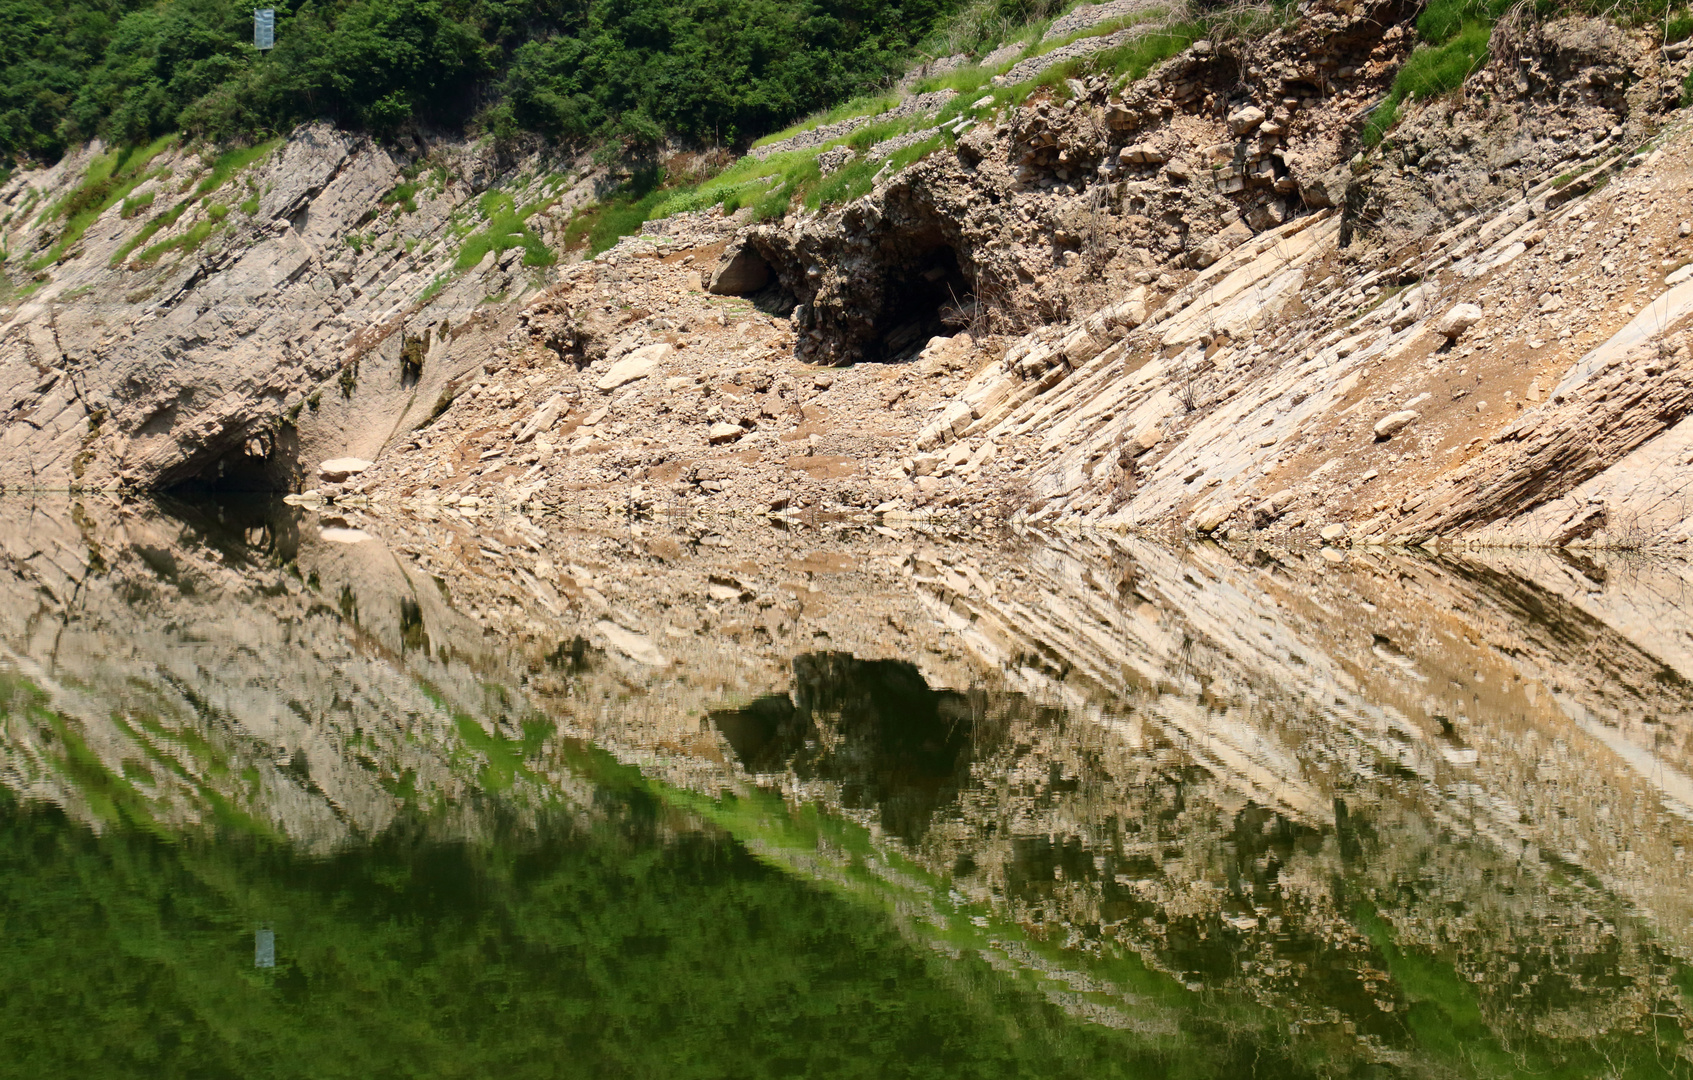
286,795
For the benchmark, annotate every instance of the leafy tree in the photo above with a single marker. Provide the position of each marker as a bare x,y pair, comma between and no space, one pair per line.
576,71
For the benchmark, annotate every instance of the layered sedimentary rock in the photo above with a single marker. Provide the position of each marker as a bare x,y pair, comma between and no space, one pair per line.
1197,300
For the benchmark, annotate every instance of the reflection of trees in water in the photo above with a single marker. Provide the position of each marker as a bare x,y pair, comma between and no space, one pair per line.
621,940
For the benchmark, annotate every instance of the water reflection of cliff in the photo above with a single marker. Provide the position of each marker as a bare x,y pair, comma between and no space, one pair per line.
1391,796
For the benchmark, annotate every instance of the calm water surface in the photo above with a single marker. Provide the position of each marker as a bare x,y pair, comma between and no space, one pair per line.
293,795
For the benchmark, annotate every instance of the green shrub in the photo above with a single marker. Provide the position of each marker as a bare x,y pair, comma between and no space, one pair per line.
506,229
588,71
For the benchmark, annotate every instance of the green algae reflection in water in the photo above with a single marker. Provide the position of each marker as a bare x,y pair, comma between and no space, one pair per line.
626,942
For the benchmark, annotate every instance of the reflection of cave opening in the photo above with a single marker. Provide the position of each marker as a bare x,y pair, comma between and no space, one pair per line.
244,531
924,296
874,727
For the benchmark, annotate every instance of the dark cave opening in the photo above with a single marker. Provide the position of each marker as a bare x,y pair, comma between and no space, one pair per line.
240,472
923,296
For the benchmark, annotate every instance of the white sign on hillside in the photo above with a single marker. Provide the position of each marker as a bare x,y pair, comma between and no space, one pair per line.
264,28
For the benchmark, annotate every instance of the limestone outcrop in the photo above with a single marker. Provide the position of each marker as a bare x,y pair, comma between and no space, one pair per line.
238,327
1151,304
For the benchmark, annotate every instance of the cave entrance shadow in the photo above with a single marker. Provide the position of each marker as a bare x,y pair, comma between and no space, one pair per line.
239,473
925,295
239,464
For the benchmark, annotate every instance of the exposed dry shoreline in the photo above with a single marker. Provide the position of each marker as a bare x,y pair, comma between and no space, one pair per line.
1172,306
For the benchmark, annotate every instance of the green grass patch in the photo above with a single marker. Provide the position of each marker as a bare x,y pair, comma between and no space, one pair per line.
1454,36
187,243
1127,62
109,180
855,179
1430,71
848,110
134,205
1109,26
430,291
404,196
148,231
506,229
603,224
230,162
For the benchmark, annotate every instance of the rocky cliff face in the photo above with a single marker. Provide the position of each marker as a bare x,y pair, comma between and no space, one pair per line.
211,322
1188,301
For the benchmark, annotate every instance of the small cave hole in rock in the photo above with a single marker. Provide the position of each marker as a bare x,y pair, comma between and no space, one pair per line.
412,353
252,466
926,296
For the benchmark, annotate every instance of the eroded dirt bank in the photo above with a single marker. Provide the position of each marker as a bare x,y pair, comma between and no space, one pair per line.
1190,302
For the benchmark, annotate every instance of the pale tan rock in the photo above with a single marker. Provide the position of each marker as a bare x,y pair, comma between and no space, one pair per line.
1393,423
635,646
1332,532
343,536
722,432
637,365
1242,121
1453,324
545,417
1207,518
337,470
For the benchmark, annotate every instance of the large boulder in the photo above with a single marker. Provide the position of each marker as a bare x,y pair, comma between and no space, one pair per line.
1393,423
1453,324
741,272
338,470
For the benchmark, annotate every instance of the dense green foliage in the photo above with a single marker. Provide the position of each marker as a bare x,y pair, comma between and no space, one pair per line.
636,69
